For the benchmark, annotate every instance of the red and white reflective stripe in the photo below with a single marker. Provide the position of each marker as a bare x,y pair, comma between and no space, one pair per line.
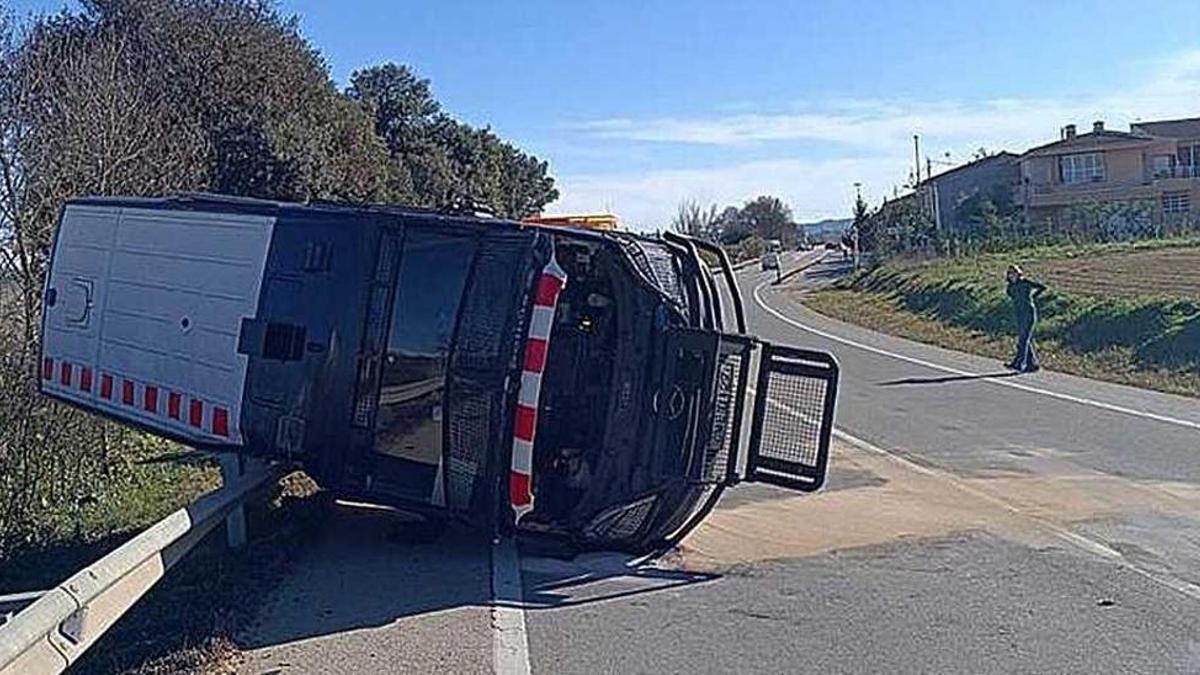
147,399
537,346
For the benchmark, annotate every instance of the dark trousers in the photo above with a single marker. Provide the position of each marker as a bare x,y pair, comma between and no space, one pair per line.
1026,355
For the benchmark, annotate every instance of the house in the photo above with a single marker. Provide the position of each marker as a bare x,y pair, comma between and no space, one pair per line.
1178,172
1154,163
995,177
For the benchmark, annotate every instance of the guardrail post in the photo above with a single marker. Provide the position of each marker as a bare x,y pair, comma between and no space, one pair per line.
233,471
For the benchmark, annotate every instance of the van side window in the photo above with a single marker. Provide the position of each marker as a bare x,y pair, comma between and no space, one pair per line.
434,268
283,342
274,340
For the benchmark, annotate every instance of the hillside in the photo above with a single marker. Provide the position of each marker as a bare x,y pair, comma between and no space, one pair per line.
1127,313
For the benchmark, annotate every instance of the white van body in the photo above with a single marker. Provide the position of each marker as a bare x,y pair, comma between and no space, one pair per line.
142,315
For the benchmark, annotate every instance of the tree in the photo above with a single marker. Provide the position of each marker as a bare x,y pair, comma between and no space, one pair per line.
146,97
730,226
862,225
694,220
769,218
438,161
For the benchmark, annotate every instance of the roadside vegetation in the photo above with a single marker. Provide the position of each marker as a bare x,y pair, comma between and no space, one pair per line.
149,97
1126,312
190,623
743,231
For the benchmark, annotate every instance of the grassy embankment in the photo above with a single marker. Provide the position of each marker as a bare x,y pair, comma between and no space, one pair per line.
186,623
1127,313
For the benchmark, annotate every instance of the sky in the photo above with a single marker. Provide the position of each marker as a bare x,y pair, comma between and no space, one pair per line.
639,105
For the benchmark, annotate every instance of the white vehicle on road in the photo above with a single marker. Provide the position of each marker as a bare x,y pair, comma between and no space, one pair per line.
770,257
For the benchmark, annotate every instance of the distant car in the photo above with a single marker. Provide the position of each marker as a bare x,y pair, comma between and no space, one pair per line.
771,253
587,387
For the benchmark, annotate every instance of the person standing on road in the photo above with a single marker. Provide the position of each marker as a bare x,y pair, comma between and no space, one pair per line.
1024,293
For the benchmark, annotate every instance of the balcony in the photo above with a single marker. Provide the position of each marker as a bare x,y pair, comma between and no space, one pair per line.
1061,194
1176,171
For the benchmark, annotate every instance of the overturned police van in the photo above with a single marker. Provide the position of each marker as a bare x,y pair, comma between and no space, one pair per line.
596,388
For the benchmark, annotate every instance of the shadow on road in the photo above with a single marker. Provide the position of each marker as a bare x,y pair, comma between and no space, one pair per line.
369,569
552,583
949,378
828,269
366,569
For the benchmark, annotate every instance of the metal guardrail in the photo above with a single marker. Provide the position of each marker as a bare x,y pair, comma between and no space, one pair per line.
15,602
59,625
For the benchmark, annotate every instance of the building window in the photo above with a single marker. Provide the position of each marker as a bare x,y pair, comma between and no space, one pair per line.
1162,165
1176,202
1189,160
1084,168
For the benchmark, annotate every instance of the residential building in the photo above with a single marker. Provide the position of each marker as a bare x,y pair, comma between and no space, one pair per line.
994,177
1154,163
1178,172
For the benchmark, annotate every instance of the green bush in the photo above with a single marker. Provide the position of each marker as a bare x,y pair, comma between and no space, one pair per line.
1177,347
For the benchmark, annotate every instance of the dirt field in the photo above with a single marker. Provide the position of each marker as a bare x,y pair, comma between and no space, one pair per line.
1169,271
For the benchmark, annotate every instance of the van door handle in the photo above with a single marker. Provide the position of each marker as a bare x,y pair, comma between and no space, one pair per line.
88,287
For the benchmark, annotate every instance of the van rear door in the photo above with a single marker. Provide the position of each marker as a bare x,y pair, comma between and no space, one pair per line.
794,399
744,410
142,312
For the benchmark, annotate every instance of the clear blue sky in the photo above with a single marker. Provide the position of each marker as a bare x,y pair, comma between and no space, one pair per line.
640,104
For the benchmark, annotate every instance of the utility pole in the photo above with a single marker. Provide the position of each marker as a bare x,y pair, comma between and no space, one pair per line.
917,158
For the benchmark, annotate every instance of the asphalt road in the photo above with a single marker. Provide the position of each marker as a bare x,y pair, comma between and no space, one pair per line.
972,523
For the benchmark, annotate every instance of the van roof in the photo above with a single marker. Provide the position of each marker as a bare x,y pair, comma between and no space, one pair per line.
204,201
218,202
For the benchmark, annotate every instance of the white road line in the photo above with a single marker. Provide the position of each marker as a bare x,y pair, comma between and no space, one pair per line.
1145,414
510,643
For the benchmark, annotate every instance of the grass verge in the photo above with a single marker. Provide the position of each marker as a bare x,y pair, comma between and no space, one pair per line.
160,478
186,623
1123,335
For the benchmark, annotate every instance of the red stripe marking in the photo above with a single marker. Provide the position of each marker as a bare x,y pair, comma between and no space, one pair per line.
85,379
196,413
535,355
221,422
150,401
65,374
173,400
47,368
518,489
547,290
127,392
525,422
106,386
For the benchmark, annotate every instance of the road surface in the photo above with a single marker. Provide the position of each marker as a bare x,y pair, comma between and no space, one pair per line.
972,523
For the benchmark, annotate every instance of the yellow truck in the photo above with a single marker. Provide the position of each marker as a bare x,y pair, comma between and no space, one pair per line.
594,221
